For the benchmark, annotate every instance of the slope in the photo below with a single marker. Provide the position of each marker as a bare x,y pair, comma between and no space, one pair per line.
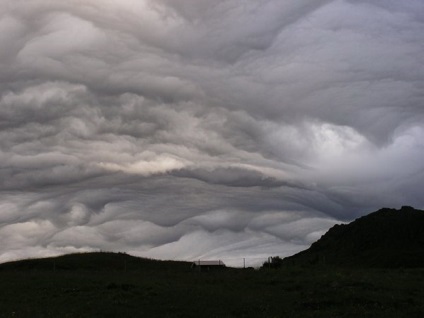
98,261
387,238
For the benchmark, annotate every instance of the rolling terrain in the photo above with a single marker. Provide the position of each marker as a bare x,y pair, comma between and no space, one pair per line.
387,238
350,272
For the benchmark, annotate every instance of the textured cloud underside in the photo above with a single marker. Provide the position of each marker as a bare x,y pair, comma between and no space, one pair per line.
199,129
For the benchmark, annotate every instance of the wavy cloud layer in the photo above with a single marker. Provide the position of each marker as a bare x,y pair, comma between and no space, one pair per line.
202,129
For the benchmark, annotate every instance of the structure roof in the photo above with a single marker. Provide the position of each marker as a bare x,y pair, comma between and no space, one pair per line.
209,263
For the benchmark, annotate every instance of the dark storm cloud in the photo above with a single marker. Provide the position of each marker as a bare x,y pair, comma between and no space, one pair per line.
187,129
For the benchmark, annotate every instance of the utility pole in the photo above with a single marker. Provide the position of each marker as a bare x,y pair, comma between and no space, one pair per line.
244,262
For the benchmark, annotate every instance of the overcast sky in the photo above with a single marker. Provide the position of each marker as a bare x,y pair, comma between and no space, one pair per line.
187,129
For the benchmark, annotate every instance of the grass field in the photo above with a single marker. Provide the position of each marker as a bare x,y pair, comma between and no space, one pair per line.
173,290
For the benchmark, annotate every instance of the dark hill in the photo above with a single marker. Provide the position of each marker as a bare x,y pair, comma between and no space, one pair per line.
93,261
387,238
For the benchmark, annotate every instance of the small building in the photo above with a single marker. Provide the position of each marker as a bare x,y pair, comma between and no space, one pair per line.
207,265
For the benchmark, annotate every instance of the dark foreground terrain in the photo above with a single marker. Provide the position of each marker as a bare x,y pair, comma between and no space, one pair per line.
387,238
118,285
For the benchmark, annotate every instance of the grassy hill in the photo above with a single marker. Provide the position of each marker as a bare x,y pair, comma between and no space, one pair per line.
97,261
120,285
387,238
156,289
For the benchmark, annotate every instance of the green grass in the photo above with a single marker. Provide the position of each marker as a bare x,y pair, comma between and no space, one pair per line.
173,290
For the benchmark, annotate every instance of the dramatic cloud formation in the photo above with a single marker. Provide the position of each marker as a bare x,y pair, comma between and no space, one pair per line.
187,129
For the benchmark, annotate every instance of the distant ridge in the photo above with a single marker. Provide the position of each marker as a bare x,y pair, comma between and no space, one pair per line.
388,238
95,261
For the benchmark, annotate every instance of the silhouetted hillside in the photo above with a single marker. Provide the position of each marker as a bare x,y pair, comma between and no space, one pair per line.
93,261
387,238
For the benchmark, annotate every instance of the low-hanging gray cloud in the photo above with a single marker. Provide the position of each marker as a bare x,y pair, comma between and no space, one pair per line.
203,129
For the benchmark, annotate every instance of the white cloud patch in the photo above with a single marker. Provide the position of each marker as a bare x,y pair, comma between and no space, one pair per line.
157,164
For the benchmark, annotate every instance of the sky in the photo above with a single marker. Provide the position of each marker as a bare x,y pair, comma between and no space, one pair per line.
199,129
